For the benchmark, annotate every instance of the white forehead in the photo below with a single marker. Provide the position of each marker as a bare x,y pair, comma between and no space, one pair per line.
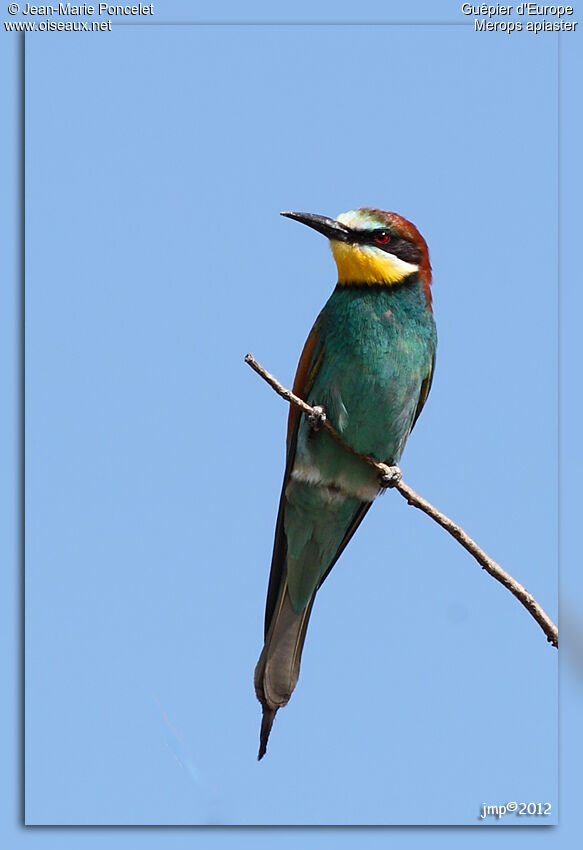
359,219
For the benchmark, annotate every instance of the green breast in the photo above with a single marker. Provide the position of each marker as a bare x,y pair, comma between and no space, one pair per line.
376,345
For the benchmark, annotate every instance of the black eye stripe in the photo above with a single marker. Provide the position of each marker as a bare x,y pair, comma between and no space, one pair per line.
404,250
401,248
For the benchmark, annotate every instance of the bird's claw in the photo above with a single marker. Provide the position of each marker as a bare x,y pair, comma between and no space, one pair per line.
391,477
317,417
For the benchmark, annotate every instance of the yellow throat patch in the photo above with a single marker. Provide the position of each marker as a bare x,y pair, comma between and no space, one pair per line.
368,265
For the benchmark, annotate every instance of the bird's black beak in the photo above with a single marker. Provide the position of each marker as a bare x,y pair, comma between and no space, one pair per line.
328,226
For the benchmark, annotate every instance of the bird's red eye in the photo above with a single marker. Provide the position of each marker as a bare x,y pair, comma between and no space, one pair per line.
382,238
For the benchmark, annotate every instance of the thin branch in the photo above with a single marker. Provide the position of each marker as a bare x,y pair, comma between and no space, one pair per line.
390,476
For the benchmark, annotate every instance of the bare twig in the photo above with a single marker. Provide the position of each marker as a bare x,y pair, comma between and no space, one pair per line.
390,476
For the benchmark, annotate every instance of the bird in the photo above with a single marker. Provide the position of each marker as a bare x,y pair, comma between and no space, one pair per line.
368,363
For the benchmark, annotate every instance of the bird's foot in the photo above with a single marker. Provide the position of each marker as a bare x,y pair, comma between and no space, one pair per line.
391,477
317,417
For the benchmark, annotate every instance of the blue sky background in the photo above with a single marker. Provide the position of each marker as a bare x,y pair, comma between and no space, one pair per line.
158,159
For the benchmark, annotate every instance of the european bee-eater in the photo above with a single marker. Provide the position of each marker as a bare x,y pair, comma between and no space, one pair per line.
368,361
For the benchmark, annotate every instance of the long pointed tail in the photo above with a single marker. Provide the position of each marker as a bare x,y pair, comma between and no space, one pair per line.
278,668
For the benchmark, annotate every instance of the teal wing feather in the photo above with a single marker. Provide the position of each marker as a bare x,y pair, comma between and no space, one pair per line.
306,372
277,670
358,517
424,392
